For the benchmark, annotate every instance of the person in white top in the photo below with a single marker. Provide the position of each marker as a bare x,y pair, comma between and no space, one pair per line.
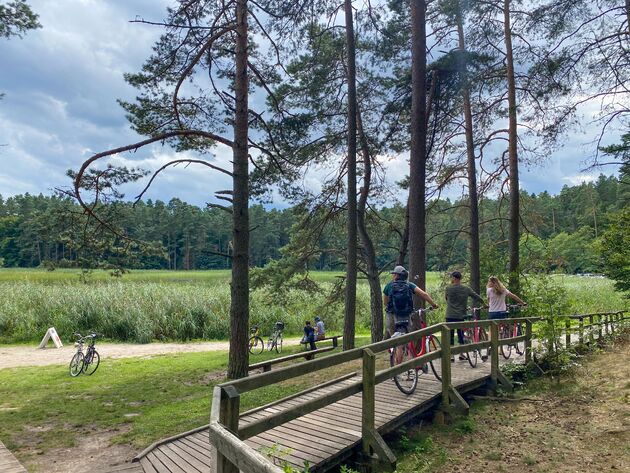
497,293
320,331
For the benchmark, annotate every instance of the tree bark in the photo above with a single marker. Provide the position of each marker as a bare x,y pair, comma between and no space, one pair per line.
418,158
351,265
512,153
404,240
475,276
239,305
376,298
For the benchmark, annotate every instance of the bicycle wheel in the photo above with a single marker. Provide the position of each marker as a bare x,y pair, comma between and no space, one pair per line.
519,346
471,355
256,345
506,350
433,344
407,381
279,343
76,364
90,368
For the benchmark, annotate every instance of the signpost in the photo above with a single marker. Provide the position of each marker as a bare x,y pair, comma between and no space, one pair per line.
51,333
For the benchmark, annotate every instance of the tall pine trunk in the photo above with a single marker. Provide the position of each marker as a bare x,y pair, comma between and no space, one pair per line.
351,266
418,158
513,234
239,306
475,277
376,298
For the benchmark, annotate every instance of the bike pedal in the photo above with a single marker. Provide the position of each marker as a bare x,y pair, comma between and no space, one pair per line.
425,368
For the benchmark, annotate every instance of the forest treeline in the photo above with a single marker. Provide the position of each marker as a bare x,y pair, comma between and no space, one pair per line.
558,232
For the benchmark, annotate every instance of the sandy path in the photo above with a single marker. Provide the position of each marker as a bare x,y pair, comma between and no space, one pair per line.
12,356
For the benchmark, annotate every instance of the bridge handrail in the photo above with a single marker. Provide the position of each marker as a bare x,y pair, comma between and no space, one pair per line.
228,436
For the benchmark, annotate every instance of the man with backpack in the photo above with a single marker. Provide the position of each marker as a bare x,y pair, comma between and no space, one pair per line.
398,299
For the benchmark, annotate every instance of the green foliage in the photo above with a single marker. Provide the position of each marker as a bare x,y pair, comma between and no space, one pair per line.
614,247
16,18
181,305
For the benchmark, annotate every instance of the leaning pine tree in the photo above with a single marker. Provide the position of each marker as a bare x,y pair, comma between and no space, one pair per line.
193,89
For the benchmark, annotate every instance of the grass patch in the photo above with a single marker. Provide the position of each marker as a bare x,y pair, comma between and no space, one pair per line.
138,400
579,423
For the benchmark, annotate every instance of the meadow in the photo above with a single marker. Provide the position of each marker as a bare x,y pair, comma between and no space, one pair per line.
143,306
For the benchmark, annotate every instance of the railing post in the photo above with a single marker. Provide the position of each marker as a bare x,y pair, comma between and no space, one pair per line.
228,417
367,411
599,325
567,333
446,366
581,330
528,341
591,336
494,354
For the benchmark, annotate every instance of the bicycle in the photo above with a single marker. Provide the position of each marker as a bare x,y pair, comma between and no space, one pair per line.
275,339
407,381
474,334
85,363
256,344
508,330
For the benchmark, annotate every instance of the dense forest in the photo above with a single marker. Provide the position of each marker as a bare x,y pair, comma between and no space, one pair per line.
558,232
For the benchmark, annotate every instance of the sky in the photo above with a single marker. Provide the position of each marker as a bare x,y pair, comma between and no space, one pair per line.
62,82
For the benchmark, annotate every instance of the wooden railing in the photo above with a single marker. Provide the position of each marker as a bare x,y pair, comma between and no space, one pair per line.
228,437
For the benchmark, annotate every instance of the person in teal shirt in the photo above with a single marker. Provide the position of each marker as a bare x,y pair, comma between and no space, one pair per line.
400,274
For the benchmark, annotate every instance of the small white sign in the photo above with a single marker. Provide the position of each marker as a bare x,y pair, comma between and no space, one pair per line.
51,333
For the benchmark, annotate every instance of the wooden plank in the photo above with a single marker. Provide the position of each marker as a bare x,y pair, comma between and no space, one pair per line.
285,452
126,468
301,442
156,462
8,462
324,441
301,393
174,451
147,466
202,446
169,465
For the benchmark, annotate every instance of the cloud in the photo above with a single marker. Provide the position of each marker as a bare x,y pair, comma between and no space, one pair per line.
62,81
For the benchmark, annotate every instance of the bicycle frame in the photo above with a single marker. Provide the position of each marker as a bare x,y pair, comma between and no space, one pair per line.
424,341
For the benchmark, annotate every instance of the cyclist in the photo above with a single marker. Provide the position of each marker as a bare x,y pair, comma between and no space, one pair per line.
456,301
497,293
398,300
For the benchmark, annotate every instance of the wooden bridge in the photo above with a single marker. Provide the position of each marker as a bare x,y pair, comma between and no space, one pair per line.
345,417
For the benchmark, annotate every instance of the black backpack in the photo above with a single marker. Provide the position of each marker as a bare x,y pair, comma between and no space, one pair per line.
402,299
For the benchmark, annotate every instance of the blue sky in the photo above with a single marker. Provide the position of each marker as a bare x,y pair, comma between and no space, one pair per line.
61,84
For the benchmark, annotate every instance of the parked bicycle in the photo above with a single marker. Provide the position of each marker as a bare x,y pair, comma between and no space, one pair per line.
407,381
275,339
85,363
256,344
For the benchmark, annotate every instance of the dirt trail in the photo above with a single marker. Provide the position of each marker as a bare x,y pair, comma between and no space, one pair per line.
12,356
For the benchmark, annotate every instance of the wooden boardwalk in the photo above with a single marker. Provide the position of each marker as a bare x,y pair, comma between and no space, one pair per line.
8,463
323,438
323,427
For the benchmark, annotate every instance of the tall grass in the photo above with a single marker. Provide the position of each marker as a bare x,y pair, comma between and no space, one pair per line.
162,305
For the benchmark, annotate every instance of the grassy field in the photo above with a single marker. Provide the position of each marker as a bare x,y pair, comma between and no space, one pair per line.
183,305
132,402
